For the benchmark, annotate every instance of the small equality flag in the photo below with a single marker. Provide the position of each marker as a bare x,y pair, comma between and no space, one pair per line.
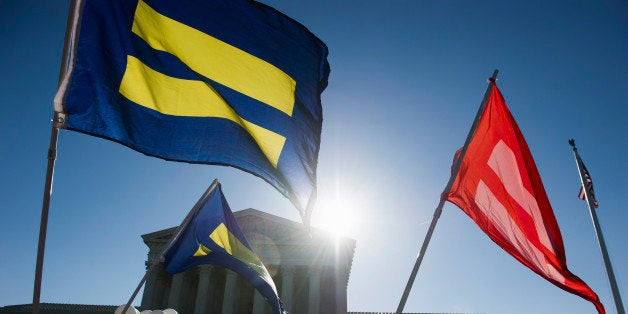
589,183
499,187
211,235
233,83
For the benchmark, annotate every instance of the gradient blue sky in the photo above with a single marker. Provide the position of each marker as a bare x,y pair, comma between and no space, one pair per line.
406,80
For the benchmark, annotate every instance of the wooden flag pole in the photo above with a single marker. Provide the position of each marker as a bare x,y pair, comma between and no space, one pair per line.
184,223
439,208
57,123
598,231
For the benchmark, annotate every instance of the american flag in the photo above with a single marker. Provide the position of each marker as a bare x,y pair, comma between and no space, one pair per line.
589,184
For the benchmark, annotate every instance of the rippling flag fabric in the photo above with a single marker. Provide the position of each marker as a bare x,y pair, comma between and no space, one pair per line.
227,82
211,235
589,183
499,187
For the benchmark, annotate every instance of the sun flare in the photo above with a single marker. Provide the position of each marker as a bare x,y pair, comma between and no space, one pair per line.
336,215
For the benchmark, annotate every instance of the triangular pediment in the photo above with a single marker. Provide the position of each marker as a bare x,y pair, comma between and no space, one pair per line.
275,239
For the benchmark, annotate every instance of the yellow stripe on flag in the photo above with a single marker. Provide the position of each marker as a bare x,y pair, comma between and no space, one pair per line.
179,97
225,239
202,251
215,59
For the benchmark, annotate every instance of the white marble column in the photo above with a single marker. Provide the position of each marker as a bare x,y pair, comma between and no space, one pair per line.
258,302
175,292
287,286
203,295
149,289
159,292
340,281
314,291
231,290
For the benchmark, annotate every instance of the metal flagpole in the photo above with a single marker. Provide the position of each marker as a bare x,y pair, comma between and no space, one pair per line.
57,122
439,208
174,238
598,231
43,225
139,286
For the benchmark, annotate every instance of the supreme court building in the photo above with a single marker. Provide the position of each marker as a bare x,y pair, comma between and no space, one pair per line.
310,271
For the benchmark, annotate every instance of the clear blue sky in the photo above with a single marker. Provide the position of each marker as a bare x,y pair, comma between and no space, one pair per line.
406,80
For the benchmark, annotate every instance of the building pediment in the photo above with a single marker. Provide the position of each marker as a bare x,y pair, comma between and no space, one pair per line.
277,240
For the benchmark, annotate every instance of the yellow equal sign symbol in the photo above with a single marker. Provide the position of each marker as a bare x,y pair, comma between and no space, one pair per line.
214,59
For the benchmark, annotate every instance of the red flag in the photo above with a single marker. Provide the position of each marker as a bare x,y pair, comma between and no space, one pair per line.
499,187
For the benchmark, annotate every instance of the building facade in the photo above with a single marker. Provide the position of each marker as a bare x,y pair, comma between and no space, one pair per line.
310,270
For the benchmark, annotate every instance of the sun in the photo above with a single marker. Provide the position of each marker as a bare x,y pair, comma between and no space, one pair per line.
336,215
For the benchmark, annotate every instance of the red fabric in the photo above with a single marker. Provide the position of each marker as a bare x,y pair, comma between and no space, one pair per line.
499,187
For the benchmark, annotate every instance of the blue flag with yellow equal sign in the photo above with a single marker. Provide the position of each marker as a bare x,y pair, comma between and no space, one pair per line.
211,235
227,82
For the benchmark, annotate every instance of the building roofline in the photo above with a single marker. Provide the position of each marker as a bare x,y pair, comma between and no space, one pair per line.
264,215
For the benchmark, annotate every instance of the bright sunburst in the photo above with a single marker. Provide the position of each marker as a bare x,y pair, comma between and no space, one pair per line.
336,214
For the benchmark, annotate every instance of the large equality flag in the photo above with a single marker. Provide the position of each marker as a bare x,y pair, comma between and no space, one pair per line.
211,235
227,82
499,187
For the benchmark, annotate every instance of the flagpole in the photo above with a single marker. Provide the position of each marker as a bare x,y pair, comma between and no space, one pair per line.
57,122
43,225
439,208
176,236
139,286
598,231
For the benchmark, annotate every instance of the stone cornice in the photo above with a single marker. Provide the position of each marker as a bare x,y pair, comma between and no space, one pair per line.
279,241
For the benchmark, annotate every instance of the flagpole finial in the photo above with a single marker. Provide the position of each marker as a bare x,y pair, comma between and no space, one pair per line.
493,78
572,143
